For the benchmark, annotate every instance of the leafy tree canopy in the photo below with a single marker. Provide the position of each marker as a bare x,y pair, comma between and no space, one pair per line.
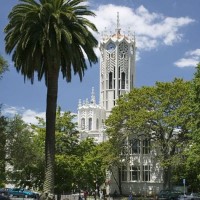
161,113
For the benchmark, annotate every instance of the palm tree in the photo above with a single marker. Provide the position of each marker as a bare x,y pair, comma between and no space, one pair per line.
46,37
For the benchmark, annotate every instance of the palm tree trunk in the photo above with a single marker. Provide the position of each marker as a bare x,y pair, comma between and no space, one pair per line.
52,90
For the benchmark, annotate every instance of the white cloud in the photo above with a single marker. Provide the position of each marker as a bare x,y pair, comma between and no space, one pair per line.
191,59
10,111
194,53
151,29
28,115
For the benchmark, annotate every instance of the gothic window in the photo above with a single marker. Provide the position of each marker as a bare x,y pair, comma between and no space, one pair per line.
124,173
123,81
110,80
124,148
97,124
134,173
90,124
83,123
134,146
146,173
146,146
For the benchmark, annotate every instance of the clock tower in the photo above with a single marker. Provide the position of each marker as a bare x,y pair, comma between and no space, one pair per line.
117,75
117,67
142,174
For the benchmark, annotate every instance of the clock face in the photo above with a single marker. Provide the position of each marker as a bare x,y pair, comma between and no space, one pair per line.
111,46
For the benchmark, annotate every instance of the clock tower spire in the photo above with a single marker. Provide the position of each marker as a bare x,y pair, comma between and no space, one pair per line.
118,25
117,67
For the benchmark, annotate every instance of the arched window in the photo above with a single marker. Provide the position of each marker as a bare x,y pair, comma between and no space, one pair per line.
123,81
97,124
90,124
83,123
110,80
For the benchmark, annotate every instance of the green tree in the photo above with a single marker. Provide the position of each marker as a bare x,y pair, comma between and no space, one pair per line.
71,173
190,169
24,154
66,132
67,144
46,37
161,114
3,124
196,105
3,66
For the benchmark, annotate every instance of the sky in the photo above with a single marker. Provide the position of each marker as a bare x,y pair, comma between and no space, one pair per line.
168,46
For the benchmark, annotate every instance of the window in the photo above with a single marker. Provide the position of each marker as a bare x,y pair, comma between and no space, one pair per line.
97,124
119,72
124,173
123,81
90,124
83,123
124,148
134,146
134,173
146,146
146,172
110,80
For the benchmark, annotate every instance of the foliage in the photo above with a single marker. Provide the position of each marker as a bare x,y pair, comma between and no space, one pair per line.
24,154
3,66
66,132
75,160
46,37
189,168
3,124
161,113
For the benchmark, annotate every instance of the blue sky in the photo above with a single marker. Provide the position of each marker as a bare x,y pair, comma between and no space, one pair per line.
168,46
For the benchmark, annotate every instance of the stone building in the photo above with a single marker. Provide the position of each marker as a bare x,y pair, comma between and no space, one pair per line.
141,175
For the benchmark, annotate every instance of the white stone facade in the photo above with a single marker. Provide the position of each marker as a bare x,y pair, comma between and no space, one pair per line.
141,175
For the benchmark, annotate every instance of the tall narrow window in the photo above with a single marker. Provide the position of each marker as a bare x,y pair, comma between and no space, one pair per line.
123,81
146,173
146,146
110,80
83,123
134,173
90,124
134,146
124,173
97,124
